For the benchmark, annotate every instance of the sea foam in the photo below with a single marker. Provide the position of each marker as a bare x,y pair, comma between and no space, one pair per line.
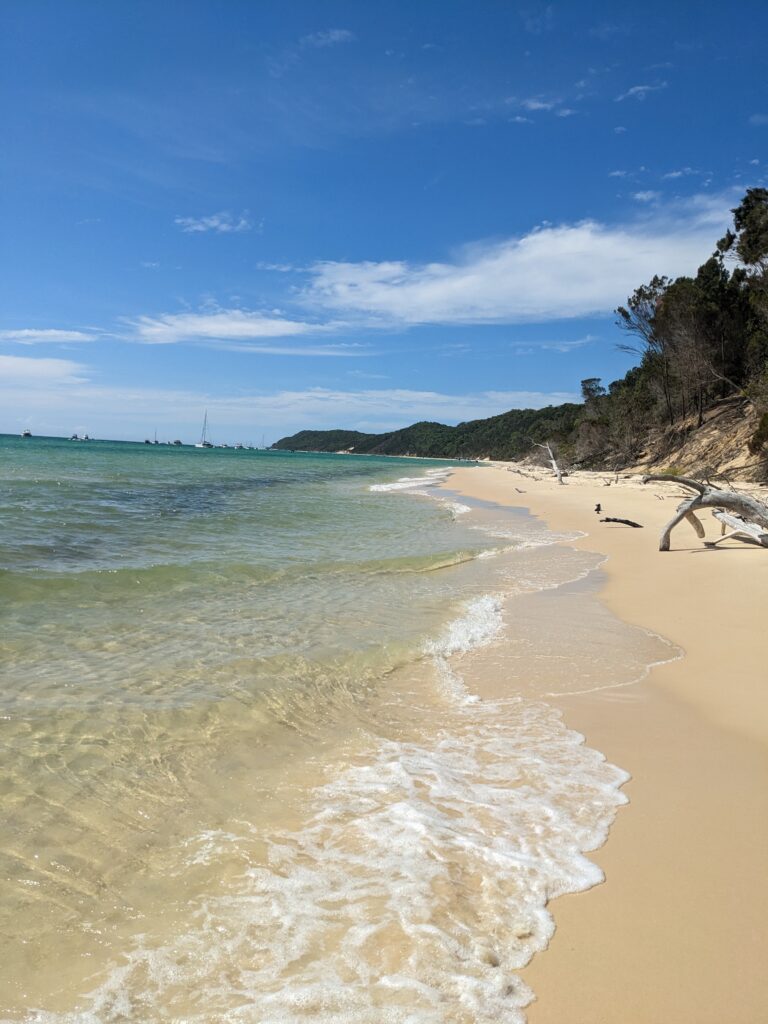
411,891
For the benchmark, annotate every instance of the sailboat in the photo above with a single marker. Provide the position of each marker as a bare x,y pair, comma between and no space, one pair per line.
204,442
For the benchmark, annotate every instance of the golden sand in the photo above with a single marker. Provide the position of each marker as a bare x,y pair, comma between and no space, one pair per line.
679,931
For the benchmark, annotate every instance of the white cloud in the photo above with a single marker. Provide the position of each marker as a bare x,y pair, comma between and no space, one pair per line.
568,346
620,129
553,272
223,325
222,223
639,92
330,37
519,119
646,196
617,174
682,172
26,370
33,336
566,112
534,103
278,268
759,119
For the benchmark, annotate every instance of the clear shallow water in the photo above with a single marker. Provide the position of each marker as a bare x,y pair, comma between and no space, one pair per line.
247,773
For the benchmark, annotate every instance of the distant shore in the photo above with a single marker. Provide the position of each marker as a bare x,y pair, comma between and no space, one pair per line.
679,931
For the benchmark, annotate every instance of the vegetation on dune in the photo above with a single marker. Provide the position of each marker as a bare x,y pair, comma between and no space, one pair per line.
699,339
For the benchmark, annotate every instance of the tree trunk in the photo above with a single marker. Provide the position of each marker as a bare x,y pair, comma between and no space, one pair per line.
555,468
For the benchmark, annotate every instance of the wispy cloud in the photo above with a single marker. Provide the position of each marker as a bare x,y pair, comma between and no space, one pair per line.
34,336
222,325
682,172
222,223
339,350
277,268
24,370
292,56
606,31
646,196
538,19
639,92
568,346
535,103
529,348
329,37
759,119
242,330
553,272
539,104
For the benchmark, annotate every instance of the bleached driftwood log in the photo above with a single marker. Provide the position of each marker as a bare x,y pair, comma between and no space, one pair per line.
750,509
738,528
696,524
555,468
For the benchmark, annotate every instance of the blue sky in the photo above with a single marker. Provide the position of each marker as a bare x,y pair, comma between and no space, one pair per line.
313,214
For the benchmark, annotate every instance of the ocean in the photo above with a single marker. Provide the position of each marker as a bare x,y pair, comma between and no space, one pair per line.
281,740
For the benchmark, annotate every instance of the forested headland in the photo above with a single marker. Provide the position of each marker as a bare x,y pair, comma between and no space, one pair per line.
701,342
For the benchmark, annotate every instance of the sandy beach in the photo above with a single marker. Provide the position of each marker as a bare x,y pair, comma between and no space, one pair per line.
679,930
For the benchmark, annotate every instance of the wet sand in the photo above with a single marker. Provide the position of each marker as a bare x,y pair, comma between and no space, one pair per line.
679,931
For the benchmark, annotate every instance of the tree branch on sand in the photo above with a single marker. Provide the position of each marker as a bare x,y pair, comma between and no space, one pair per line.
744,506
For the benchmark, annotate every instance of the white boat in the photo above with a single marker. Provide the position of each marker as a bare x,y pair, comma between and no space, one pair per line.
26,433
204,442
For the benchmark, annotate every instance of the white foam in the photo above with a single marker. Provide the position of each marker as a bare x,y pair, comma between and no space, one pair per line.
415,889
480,622
528,536
429,479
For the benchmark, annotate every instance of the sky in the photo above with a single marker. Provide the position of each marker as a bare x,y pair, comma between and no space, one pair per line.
312,214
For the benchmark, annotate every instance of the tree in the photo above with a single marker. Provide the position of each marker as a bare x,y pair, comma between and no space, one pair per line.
591,388
750,240
638,317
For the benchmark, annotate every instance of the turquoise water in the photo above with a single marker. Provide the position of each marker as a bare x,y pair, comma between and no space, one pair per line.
246,775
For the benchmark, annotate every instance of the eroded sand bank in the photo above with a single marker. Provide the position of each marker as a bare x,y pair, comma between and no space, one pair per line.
679,932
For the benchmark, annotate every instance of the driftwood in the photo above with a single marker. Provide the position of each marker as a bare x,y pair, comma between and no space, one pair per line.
738,528
696,524
555,468
750,511
626,522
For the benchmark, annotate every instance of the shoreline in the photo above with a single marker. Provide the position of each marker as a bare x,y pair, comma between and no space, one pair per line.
679,930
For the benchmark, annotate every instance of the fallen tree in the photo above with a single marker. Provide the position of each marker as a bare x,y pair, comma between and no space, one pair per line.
553,461
744,505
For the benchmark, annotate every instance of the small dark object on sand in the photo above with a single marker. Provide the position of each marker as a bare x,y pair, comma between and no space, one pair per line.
598,508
